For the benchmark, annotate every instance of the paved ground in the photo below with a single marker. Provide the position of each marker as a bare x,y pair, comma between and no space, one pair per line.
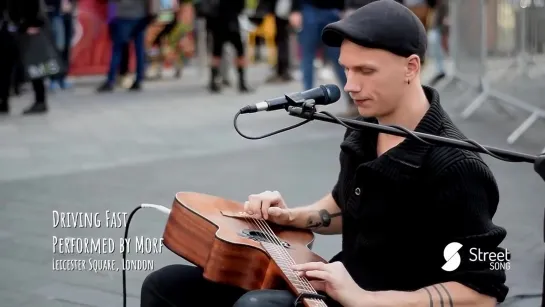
96,153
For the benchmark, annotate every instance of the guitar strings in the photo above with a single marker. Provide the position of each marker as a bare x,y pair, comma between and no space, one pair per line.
258,224
304,279
267,230
272,236
309,286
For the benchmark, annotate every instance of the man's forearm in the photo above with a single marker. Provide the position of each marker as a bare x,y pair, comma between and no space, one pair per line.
322,217
448,294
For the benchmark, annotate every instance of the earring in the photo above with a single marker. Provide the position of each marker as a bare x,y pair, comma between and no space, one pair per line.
408,81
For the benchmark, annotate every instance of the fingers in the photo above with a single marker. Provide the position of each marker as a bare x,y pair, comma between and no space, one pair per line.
318,285
310,266
247,207
319,275
264,206
253,205
258,204
275,212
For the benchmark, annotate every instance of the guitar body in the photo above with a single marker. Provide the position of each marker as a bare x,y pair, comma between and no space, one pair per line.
209,232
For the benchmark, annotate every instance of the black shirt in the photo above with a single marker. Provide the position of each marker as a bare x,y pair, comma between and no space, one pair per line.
26,14
400,210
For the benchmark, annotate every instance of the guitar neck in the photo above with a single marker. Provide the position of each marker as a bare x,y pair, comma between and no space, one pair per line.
301,285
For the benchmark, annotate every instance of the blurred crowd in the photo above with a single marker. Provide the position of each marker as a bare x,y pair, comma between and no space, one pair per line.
238,23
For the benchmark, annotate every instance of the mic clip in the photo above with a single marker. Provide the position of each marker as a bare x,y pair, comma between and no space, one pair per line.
298,104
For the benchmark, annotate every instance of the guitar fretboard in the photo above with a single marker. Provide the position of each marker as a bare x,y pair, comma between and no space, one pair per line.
284,261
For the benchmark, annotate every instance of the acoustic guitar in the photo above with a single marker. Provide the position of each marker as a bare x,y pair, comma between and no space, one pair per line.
236,249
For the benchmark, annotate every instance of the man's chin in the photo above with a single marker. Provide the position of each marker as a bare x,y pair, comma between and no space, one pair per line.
366,112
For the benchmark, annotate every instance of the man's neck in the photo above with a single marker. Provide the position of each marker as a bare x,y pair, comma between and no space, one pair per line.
411,110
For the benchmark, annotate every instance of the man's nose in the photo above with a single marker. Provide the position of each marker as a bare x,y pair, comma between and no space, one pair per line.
351,86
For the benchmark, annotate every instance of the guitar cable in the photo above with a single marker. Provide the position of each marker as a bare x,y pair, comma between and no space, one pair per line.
166,210
123,272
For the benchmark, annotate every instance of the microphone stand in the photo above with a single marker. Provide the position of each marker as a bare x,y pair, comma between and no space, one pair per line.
306,109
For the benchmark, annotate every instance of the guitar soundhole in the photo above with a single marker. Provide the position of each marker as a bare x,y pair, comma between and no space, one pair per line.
259,236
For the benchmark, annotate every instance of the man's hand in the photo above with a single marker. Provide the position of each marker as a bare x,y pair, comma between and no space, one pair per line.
33,30
333,279
269,206
296,20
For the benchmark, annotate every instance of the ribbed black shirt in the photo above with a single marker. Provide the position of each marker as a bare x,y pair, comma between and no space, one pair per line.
401,209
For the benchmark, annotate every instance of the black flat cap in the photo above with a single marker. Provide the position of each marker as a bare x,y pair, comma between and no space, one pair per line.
382,24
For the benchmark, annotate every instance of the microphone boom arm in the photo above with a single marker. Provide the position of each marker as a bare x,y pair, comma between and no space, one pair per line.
308,112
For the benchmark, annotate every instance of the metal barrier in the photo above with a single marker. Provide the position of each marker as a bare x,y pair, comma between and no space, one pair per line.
202,46
493,41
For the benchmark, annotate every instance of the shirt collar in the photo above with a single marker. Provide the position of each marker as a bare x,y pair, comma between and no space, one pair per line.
410,153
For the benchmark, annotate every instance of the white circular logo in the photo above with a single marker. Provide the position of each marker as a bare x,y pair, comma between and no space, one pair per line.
452,257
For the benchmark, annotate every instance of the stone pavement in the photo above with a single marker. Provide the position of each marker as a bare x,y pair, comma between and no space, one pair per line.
94,153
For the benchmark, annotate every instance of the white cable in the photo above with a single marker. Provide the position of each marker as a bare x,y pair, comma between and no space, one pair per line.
157,207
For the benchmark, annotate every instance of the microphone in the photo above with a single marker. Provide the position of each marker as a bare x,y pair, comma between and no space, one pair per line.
322,95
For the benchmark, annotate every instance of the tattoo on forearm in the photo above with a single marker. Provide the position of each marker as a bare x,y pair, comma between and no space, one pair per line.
430,296
448,295
322,218
441,302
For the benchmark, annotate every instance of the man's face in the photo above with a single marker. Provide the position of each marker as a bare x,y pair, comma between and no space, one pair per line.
375,79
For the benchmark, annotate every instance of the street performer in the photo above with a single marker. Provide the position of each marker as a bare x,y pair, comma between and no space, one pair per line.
397,202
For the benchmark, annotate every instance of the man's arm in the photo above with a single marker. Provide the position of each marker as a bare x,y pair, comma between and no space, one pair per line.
322,217
468,193
447,294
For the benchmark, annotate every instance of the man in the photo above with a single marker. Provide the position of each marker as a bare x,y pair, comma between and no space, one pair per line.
222,19
61,15
439,30
281,9
129,24
309,17
397,202
123,73
19,18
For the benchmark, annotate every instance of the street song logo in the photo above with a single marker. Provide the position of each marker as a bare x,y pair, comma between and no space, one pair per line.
452,257
495,260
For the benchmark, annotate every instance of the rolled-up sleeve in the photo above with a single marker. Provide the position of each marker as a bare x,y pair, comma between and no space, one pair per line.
470,196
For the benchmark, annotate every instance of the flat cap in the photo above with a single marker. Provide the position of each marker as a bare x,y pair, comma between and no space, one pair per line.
382,24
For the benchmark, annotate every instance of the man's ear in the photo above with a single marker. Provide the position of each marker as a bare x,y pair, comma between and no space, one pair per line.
413,67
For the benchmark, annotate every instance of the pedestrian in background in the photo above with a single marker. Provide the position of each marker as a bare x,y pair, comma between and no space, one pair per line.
309,17
129,24
17,18
437,32
61,15
222,20
281,9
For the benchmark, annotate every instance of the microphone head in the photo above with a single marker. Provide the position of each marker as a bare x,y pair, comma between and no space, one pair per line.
332,93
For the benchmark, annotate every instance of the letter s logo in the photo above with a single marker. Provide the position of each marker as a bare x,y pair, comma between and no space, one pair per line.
452,257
